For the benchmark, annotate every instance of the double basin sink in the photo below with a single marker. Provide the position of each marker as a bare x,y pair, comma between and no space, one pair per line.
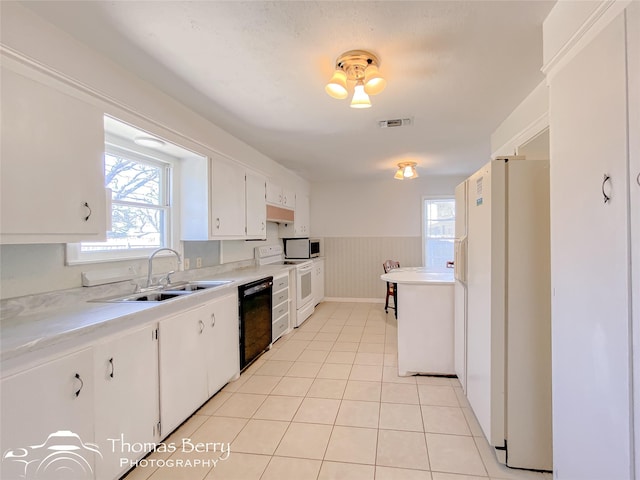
168,292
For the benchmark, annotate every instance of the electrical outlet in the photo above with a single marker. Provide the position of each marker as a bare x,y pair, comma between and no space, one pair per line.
185,263
198,262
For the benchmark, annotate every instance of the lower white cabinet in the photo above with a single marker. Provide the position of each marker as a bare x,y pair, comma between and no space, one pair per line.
317,280
126,399
199,353
51,405
280,306
222,352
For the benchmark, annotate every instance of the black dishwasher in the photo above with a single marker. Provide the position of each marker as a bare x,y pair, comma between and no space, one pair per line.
255,319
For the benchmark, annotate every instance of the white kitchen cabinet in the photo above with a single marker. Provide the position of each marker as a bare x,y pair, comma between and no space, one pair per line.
590,251
127,409
317,280
183,374
221,349
50,405
280,306
227,198
300,227
279,196
256,207
52,183
199,353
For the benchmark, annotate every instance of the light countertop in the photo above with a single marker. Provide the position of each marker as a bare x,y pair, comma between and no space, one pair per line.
418,276
47,330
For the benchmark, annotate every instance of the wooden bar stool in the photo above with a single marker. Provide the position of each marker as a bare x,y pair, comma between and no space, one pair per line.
392,288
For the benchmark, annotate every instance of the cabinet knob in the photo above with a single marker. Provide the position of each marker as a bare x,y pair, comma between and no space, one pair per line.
86,205
77,392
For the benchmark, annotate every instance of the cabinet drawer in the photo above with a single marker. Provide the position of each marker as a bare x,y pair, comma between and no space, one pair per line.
280,283
280,310
279,327
280,297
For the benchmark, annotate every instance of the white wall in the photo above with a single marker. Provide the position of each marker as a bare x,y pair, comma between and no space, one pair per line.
525,122
365,223
384,208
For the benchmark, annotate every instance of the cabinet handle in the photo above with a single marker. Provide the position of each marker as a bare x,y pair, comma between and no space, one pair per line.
86,205
262,225
218,223
213,320
77,392
638,179
112,368
607,178
201,325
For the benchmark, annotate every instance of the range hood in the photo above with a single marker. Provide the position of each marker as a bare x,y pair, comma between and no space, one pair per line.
279,214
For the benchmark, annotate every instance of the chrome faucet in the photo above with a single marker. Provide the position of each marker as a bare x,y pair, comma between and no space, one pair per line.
150,267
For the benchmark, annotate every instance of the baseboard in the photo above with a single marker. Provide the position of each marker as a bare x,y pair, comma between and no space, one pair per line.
354,300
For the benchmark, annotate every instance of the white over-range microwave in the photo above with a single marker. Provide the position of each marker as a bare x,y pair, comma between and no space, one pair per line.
301,247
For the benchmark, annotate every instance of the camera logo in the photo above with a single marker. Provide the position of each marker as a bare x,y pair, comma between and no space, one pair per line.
63,455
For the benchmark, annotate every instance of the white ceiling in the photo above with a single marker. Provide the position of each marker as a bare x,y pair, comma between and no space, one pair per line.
258,70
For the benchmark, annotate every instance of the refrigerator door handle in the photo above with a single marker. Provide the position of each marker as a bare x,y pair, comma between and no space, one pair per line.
460,260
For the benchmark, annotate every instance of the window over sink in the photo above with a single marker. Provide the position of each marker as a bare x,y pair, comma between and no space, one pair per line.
141,208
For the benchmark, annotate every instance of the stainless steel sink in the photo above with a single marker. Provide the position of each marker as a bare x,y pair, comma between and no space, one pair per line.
169,292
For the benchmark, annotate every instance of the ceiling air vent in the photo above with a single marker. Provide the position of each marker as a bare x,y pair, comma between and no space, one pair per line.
396,122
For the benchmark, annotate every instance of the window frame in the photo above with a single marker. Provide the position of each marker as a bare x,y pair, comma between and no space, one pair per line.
74,253
431,198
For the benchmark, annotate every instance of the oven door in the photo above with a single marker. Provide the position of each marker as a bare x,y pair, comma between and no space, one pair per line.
304,294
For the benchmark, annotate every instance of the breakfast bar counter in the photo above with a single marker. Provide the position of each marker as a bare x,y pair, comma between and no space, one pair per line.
425,321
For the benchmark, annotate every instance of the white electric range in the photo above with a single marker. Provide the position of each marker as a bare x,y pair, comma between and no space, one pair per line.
274,255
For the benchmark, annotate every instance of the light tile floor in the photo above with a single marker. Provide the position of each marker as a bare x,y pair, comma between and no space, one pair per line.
326,403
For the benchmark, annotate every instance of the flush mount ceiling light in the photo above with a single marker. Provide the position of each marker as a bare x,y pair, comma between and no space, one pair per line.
146,141
406,170
359,67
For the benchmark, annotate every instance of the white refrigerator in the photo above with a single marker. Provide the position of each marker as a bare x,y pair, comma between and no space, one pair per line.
460,287
505,321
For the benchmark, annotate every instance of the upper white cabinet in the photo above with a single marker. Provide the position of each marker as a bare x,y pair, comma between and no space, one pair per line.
256,208
126,398
281,197
52,183
45,407
230,205
591,248
300,227
227,202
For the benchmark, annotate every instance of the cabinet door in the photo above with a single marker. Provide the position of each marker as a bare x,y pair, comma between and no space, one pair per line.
319,287
183,377
52,183
126,398
221,348
227,199
256,206
589,252
274,193
49,406
288,198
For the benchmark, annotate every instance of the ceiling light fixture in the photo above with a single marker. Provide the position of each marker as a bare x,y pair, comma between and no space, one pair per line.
359,67
146,141
406,170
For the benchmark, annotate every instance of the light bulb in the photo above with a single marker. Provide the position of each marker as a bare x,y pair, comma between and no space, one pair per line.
360,98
